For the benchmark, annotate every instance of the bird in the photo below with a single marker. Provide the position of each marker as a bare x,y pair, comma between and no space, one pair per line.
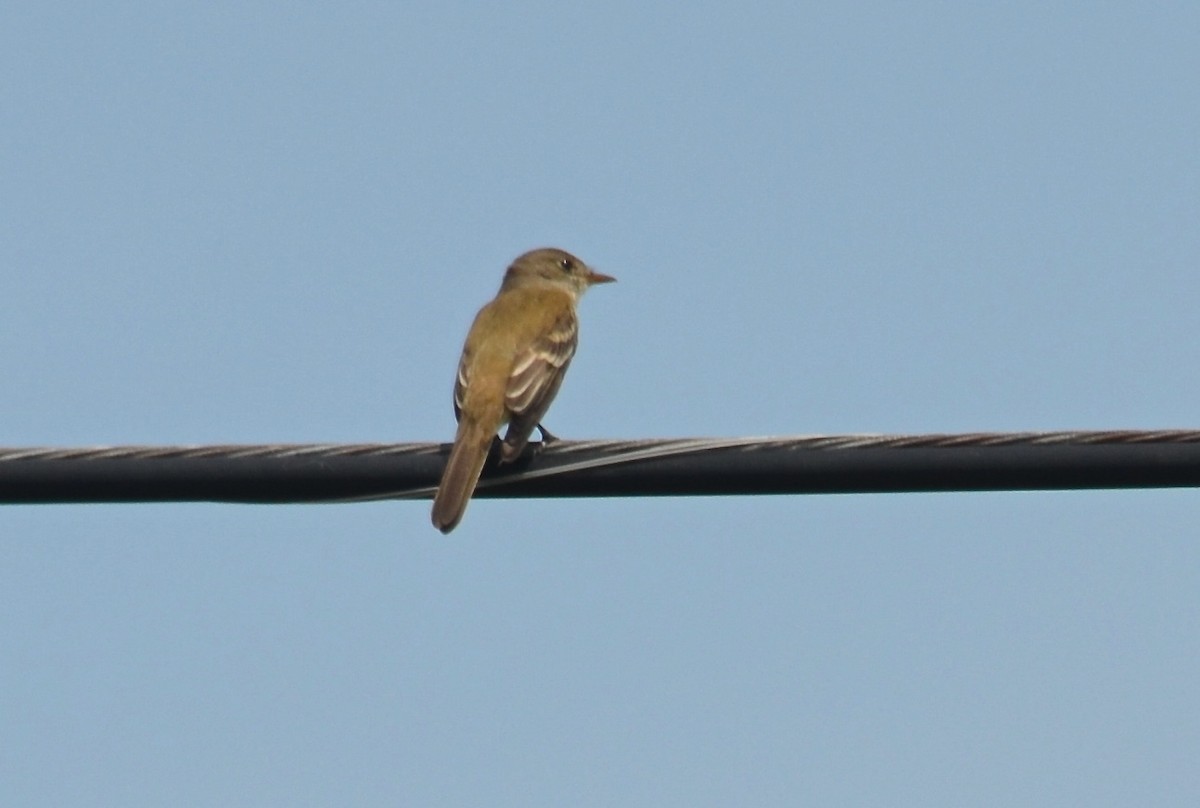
513,362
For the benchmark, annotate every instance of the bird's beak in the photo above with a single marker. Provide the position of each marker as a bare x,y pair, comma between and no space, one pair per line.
597,277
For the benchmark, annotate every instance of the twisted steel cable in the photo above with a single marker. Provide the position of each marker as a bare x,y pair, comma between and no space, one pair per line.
805,464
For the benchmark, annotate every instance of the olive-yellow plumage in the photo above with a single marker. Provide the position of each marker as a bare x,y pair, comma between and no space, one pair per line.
512,365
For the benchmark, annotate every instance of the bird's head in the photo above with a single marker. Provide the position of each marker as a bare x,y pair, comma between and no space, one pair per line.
555,267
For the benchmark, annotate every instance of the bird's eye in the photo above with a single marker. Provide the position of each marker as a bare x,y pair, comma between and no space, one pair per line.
566,264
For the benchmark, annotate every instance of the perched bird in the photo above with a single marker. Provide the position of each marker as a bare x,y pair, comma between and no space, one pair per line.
512,364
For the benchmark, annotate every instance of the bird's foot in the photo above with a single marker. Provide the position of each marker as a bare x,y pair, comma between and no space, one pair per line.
547,437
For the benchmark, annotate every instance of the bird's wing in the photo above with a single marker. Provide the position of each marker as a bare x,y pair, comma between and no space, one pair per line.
535,378
460,383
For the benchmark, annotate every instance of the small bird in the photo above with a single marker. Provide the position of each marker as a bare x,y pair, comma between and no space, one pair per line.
512,365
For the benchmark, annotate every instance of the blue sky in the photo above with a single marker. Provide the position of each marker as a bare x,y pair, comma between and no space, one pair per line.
262,222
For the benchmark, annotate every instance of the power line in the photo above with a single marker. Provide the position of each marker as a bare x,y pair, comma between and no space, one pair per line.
816,464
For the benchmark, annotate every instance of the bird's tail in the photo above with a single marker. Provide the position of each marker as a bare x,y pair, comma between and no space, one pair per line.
471,445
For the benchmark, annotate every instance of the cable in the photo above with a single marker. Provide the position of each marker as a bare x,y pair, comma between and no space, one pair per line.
816,464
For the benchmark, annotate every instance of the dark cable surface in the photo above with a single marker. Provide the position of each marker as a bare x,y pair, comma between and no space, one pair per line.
816,464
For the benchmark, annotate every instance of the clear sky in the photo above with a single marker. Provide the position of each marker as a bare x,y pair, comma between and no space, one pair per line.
253,222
